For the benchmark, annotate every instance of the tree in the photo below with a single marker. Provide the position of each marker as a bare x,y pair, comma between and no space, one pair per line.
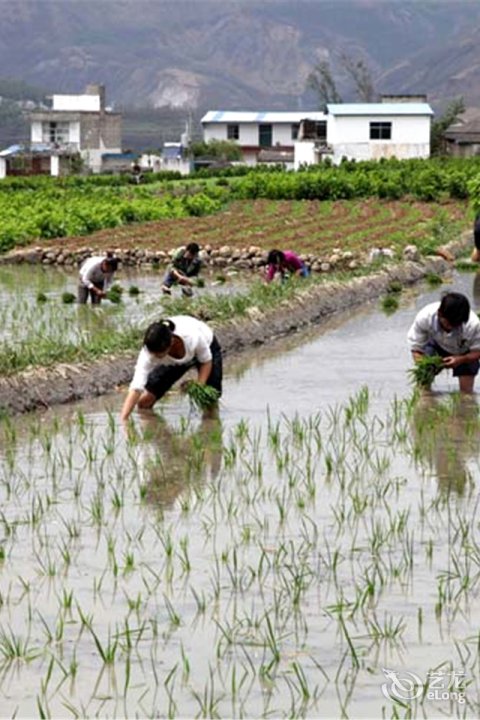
361,76
221,149
321,81
455,108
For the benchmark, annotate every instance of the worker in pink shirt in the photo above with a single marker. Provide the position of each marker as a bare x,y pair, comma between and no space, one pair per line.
286,263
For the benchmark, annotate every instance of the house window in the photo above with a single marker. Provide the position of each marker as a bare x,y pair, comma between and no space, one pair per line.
233,132
55,132
265,135
380,131
321,130
313,130
295,129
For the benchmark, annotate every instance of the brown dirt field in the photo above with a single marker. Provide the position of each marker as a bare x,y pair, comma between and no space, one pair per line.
306,226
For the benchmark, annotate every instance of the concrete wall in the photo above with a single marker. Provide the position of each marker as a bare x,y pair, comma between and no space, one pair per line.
406,130
304,153
73,103
92,158
350,137
180,165
36,131
464,149
249,134
54,166
101,131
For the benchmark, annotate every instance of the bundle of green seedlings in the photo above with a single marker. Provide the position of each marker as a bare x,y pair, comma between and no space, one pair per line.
201,396
68,298
390,303
114,294
424,371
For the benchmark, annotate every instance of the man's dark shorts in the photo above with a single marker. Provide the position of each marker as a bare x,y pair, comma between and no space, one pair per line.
162,377
468,368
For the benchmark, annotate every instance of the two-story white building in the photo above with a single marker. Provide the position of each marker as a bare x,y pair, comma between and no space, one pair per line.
258,133
76,126
359,131
79,123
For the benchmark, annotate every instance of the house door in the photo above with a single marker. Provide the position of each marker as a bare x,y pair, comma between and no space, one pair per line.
265,135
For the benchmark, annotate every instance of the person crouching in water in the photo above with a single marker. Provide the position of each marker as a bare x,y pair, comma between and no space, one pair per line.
170,348
185,264
285,263
450,330
96,275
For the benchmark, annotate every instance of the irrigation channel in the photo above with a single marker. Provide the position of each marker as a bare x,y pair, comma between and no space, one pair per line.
311,552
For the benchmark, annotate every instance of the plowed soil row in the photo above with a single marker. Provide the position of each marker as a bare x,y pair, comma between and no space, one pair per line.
306,226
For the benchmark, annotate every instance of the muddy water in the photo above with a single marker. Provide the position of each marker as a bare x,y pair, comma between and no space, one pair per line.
272,561
21,285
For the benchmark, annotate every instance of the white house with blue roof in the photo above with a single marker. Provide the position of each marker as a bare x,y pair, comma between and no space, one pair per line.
359,131
370,131
259,132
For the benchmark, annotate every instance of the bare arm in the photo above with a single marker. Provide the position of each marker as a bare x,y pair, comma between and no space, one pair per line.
129,403
453,361
204,371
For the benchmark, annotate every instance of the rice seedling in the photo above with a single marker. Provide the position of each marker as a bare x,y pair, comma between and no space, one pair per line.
114,294
201,396
389,303
433,279
464,265
309,538
134,290
394,287
41,297
425,370
15,647
68,298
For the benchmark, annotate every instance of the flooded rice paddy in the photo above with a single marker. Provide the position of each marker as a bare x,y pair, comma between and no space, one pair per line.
311,552
52,319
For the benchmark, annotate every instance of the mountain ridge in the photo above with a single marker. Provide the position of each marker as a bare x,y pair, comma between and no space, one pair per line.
244,53
188,56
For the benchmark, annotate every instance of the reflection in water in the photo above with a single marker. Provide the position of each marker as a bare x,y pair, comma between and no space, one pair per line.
476,289
445,432
176,459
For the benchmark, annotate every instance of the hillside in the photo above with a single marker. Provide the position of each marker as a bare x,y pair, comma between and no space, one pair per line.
191,55
248,54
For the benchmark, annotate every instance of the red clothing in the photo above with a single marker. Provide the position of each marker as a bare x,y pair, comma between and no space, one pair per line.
292,263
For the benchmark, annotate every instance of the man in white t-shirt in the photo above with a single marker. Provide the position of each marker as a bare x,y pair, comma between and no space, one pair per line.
96,275
451,330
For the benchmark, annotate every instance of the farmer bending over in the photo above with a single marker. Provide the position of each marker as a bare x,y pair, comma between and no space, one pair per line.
285,263
170,348
451,330
96,275
185,265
